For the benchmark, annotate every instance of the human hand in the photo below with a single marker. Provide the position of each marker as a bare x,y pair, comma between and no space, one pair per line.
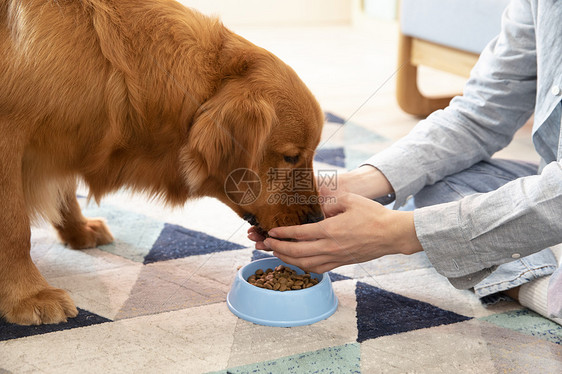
356,230
365,181
256,235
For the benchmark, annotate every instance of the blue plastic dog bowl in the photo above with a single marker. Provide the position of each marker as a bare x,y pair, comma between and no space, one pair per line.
281,309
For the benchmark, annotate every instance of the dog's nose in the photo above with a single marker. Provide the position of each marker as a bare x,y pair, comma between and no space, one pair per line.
252,220
314,217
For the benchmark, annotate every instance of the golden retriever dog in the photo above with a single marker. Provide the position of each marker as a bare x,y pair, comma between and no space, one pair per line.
140,94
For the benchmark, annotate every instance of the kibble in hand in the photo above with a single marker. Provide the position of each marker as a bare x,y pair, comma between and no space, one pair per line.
281,279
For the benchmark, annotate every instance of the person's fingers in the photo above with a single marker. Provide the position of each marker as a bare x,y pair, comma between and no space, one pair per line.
327,192
324,267
315,264
262,247
336,204
308,231
297,249
253,229
254,236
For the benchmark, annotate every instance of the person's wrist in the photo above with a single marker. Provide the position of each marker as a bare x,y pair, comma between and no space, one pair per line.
406,239
366,181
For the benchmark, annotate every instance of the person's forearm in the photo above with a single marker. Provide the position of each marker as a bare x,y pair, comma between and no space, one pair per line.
497,100
366,181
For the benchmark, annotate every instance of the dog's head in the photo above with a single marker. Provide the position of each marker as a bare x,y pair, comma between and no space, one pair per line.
252,143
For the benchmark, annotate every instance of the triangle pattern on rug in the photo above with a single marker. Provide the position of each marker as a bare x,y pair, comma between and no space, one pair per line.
341,359
178,242
258,255
334,277
357,134
134,233
381,313
182,283
331,156
527,322
333,118
355,157
84,318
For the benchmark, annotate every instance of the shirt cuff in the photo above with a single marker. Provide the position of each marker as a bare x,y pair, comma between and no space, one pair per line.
440,233
398,177
469,281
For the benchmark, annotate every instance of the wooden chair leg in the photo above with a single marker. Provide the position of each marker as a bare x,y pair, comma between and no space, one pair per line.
408,95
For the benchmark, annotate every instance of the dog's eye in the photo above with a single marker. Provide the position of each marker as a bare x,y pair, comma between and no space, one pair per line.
291,159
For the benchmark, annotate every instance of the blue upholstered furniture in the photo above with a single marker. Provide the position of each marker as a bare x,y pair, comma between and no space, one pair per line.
443,34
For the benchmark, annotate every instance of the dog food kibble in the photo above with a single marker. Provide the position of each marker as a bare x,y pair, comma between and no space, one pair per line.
281,279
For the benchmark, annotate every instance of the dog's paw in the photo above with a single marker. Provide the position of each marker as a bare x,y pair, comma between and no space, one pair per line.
90,235
50,305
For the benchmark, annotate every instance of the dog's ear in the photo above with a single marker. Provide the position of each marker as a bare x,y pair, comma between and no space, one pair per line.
228,132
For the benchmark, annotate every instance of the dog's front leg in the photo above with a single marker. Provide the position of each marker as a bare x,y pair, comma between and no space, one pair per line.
25,296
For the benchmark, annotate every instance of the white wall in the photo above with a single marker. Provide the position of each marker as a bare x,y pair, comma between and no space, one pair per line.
277,12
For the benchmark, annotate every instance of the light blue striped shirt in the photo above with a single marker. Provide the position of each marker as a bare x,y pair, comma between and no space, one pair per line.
518,74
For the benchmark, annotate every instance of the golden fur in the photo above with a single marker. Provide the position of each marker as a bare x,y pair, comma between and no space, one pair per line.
146,95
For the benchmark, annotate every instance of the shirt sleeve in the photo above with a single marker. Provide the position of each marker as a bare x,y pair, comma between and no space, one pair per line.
498,99
465,240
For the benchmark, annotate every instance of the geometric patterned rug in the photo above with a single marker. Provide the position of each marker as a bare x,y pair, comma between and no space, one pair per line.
154,301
